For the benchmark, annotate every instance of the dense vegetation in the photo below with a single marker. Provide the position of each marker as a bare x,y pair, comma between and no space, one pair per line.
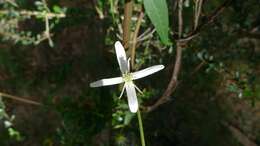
207,95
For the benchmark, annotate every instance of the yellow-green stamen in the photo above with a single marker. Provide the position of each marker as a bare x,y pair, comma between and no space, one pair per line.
127,77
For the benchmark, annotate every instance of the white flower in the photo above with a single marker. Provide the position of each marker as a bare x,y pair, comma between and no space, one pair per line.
127,77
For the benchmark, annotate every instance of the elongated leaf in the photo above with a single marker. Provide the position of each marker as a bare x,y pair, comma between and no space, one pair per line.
157,11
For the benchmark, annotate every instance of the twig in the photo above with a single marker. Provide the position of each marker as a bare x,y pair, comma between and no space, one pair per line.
50,15
137,28
239,135
147,36
174,79
144,33
47,31
173,82
44,37
128,10
180,19
197,68
198,5
19,99
210,19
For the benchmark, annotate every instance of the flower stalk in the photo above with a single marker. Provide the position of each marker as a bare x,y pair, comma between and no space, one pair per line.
141,129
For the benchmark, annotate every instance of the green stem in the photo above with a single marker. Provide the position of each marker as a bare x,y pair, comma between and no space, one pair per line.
141,128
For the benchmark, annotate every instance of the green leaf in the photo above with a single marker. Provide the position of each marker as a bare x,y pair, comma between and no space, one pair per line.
157,11
57,9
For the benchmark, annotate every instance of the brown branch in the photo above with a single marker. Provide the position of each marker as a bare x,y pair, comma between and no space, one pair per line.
19,99
239,135
128,10
197,68
180,43
211,18
172,84
137,28
180,19
174,79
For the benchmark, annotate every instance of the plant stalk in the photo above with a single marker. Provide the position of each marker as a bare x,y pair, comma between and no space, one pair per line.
19,99
140,122
137,28
128,10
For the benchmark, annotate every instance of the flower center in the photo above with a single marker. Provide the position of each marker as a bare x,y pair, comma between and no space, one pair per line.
127,77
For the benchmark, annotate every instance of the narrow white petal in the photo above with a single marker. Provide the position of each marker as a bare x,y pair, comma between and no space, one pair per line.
106,82
121,56
128,64
131,97
146,72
